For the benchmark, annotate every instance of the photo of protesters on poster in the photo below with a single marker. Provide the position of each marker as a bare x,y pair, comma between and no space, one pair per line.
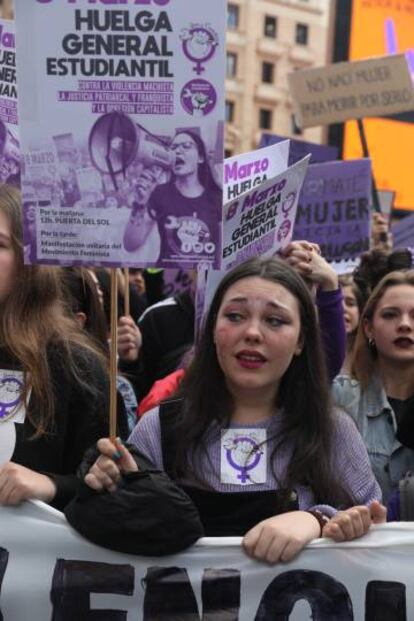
9,137
134,176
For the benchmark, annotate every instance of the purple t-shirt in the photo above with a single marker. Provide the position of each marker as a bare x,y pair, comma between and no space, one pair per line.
349,460
189,227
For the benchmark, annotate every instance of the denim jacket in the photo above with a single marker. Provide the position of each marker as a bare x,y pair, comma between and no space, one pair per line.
377,424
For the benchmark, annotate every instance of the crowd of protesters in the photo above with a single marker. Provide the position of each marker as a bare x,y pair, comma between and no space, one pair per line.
305,375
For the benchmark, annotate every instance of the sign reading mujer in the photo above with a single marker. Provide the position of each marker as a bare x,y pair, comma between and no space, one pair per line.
48,572
334,208
122,115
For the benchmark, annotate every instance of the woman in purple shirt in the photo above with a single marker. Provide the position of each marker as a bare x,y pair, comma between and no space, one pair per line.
252,438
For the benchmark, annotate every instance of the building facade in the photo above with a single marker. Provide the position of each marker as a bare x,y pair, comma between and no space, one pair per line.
266,40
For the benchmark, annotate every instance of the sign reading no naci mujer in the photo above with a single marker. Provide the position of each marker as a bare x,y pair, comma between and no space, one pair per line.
351,90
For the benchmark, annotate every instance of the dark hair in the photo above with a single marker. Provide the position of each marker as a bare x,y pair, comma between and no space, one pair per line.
81,296
303,392
375,264
205,175
364,356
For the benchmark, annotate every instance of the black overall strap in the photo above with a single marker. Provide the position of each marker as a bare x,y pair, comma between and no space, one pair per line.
222,513
169,412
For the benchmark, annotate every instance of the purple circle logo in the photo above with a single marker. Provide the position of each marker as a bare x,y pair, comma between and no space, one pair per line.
198,97
284,230
199,45
10,391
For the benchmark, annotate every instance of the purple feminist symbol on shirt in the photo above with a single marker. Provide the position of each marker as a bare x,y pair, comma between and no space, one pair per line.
199,45
255,452
10,390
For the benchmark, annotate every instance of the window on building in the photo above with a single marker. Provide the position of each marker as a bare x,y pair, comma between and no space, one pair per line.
265,118
231,65
267,73
233,15
270,26
302,34
229,112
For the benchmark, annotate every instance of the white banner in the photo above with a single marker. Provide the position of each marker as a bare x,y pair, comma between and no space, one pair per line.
48,572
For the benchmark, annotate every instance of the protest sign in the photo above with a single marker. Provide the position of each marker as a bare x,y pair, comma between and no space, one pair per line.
9,138
351,90
176,281
403,232
260,222
49,570
386,201
334,208
248,170
122,108
301,148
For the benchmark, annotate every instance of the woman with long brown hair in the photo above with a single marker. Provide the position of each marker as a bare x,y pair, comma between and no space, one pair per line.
53,380
250,437
379,393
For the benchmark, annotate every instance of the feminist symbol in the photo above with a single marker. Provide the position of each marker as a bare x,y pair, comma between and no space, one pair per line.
199,45
9,388
256,453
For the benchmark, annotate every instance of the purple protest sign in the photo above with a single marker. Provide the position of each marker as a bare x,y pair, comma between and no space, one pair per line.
9,137
334,208
301,148
403,232
122,138
176,280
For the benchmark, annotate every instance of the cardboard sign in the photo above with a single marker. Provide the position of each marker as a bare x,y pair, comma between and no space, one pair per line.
351,90
127,101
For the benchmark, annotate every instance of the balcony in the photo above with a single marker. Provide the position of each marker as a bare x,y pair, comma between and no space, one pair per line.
270,47
270,94
302,54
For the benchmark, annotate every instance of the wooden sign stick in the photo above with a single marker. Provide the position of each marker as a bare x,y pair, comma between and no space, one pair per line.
113,367
127,310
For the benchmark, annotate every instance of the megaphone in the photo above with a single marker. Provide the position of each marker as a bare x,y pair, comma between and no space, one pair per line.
115,141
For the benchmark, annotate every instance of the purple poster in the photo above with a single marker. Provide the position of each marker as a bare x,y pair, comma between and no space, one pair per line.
176,280
334,208
122,107
403,232
9,138
300,148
